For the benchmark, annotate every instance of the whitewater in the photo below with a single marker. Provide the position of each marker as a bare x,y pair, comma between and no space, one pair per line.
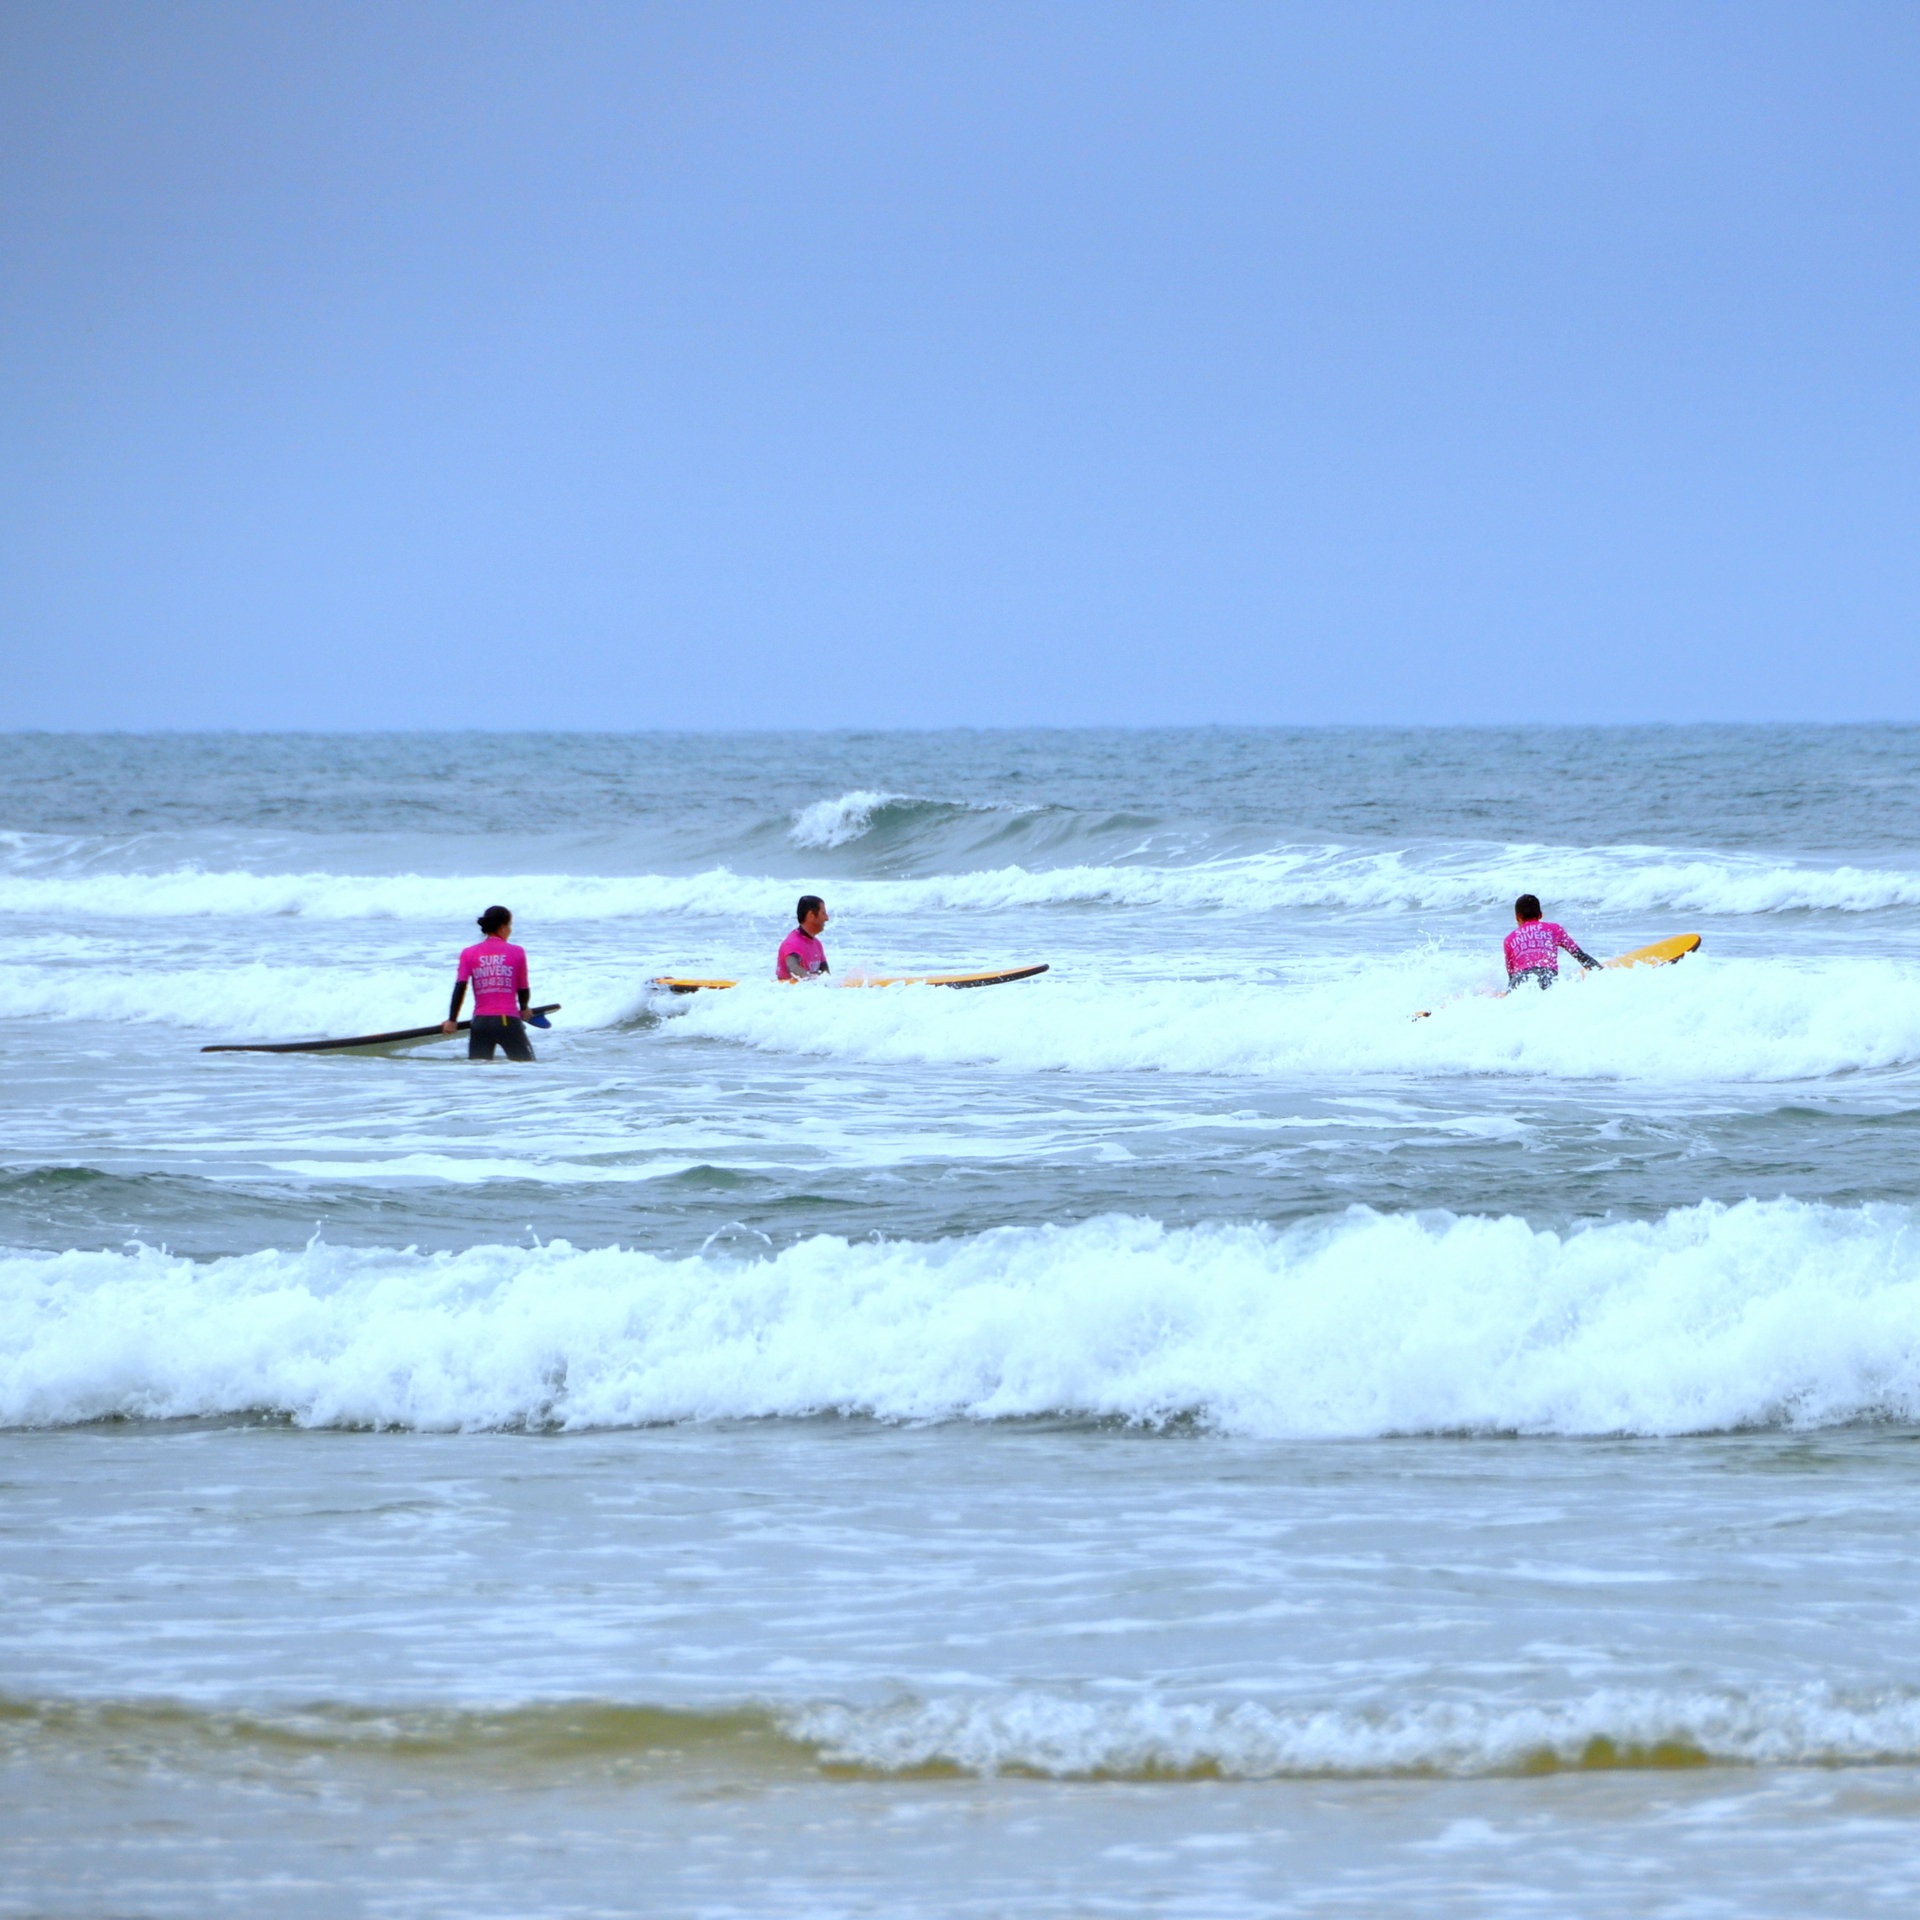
1709,1320
1179,1418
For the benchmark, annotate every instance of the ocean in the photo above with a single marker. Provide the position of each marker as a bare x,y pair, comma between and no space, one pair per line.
1173,1436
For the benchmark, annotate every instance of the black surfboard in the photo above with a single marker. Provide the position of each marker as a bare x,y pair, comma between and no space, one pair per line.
397,1039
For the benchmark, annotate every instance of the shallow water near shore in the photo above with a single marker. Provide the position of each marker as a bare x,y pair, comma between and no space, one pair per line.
1176,1435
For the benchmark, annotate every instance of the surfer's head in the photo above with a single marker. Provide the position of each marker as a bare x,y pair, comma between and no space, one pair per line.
495,919
1526,908
804,914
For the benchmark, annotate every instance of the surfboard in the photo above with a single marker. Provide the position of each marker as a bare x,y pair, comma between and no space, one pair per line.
1662,953
404,1037
991,977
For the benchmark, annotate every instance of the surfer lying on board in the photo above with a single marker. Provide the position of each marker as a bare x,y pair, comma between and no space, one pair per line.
1533,947
801,955
498,970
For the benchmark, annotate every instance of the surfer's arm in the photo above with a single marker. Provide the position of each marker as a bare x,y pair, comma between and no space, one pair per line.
1579,953
453,1007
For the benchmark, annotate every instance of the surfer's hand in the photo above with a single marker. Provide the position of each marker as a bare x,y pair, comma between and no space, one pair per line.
449,1026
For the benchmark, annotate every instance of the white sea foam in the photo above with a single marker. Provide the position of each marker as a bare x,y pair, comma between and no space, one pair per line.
1627,881
1704,1021
1711,1020
1032,1731
251,1000
477,1169
1708,1319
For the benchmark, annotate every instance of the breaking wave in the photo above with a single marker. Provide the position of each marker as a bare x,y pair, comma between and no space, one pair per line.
1705,1021
1709,1319
1046,1733
833,823
1709,1021
1630,881
1063,1736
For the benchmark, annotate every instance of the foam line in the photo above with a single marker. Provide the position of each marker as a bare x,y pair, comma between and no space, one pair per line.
1705,1021
1061,1736
1708,1319
1633,882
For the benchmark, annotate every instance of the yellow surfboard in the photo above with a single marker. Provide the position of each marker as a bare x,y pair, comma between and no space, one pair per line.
1663,953
991,977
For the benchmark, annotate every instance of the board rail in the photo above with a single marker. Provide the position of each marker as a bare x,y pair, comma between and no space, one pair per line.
399,1037
989,977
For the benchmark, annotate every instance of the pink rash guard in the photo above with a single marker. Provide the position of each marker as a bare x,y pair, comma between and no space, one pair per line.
800,955
1538,944
497,968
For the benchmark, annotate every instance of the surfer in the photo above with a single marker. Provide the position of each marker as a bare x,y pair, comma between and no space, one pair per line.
801,955
498,970
1533,947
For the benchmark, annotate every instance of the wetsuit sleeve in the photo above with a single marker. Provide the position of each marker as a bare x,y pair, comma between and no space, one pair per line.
459,994
1565,939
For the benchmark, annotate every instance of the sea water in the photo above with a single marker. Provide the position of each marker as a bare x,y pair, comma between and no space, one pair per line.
1177,1435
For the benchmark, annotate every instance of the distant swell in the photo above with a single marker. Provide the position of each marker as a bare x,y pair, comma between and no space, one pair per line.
1766,1313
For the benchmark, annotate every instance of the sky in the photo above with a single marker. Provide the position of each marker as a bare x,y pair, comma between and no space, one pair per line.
930,363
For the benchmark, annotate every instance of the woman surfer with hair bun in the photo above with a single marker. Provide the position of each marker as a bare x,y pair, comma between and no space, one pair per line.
498,970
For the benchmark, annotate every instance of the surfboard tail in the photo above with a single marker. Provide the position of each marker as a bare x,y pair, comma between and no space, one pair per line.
1662,953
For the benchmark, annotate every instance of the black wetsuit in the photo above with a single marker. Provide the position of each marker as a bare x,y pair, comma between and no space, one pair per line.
491,1030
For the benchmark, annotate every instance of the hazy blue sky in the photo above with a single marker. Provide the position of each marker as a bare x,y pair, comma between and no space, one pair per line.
926,363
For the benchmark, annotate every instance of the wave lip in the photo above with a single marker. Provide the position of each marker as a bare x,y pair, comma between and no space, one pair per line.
1712,1318
833,823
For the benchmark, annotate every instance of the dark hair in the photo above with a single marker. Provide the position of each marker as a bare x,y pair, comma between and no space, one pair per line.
809,903
1527,907
495,918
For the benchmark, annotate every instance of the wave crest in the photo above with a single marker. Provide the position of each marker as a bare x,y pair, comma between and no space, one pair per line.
1064,1737
1045,1733
1630,882
1711,1318
833,823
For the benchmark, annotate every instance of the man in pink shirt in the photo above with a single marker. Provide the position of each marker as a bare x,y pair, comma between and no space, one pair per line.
1533,947
498,970
801,955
